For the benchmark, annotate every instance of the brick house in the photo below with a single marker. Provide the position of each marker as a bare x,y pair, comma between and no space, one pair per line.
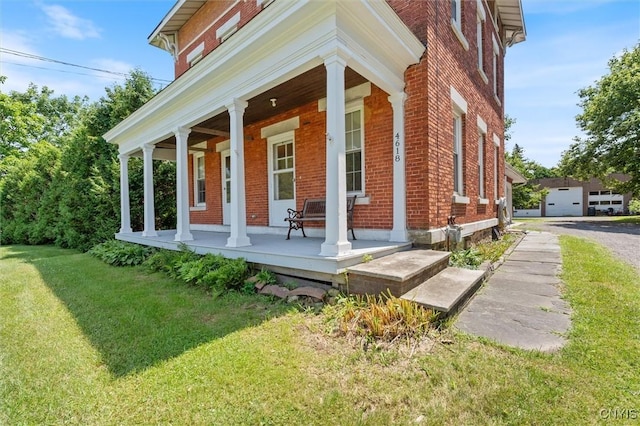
399,102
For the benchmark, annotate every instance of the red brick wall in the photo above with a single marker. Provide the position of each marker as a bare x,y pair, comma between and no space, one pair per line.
202,26
429,114
428,127
310,160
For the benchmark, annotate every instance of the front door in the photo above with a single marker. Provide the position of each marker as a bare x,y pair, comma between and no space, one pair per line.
282,188
226,187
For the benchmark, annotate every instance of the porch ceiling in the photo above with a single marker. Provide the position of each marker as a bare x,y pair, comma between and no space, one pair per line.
261,61
301,90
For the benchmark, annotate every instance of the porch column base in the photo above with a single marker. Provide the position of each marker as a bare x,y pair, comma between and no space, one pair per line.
149,234
399,236
183,236
335,250
238,242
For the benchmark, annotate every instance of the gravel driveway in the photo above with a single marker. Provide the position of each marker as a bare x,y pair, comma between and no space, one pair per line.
623,239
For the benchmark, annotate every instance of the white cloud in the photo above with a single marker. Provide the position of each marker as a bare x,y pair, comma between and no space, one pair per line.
68,25
112,65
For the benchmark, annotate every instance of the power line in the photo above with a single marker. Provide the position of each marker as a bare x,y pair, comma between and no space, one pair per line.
120,77
69,64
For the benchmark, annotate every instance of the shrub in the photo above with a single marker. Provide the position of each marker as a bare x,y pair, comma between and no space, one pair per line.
634,206
121,253
170,261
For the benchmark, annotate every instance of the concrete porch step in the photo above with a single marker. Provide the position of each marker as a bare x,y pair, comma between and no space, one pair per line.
447,290
397,273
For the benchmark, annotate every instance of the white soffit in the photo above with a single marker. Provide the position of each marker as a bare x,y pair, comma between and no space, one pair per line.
512,20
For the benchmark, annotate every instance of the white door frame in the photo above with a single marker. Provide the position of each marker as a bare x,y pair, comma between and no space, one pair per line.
277,209
226,207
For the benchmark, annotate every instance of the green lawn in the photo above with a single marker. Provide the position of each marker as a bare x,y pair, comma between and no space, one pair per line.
85,343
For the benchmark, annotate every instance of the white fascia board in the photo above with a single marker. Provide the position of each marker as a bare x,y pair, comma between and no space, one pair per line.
243,68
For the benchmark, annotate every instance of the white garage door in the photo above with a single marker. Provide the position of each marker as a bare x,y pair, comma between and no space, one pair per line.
564,202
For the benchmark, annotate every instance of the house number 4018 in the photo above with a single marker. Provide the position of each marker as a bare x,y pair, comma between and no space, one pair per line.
397,144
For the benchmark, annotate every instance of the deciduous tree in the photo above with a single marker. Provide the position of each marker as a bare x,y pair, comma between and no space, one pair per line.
610,119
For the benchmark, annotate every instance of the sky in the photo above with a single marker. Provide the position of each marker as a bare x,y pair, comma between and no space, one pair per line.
569,43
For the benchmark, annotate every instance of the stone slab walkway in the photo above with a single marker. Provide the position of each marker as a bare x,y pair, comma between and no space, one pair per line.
520,304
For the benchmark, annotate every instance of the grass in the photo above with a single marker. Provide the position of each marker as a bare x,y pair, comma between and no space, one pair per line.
627,219
85,343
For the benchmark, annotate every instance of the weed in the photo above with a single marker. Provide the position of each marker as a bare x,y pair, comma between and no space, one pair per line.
469,258
383,317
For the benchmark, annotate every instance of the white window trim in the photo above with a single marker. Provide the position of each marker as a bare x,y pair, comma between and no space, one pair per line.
196,54
456,25
358,105
458,144
482,136
496,53
481,17
496,156
460,107
231,26
197,156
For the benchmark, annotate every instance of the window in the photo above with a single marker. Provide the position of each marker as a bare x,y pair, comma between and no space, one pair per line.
496,156
594,193
459,109
593,203
605,192
481,192
456,12
458,175
616,202
482,136
496,62
195,55
456,22
480,18
354,137
198,180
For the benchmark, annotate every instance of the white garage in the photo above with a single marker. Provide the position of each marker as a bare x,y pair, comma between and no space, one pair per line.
564,202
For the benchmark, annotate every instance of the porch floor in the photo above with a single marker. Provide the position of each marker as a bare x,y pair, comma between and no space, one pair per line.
297,257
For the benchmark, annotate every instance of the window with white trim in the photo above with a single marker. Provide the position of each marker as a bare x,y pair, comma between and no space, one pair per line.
456,13
458,174
456,22
354,142
480,19
496,150
199,192
496,56
459,109
195,55
481,143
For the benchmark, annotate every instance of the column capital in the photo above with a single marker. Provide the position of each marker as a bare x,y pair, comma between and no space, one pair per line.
148,147
397,98
123,157
182,132
338,56
236,105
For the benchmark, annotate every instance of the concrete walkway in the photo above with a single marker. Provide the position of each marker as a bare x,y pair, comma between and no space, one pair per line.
520,305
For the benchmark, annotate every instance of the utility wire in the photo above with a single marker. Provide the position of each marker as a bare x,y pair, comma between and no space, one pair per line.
55,61
120,77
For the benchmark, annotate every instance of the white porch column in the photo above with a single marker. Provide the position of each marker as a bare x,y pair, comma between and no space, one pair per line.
183,233
336,242
399,231
125,212
149,202
238,236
